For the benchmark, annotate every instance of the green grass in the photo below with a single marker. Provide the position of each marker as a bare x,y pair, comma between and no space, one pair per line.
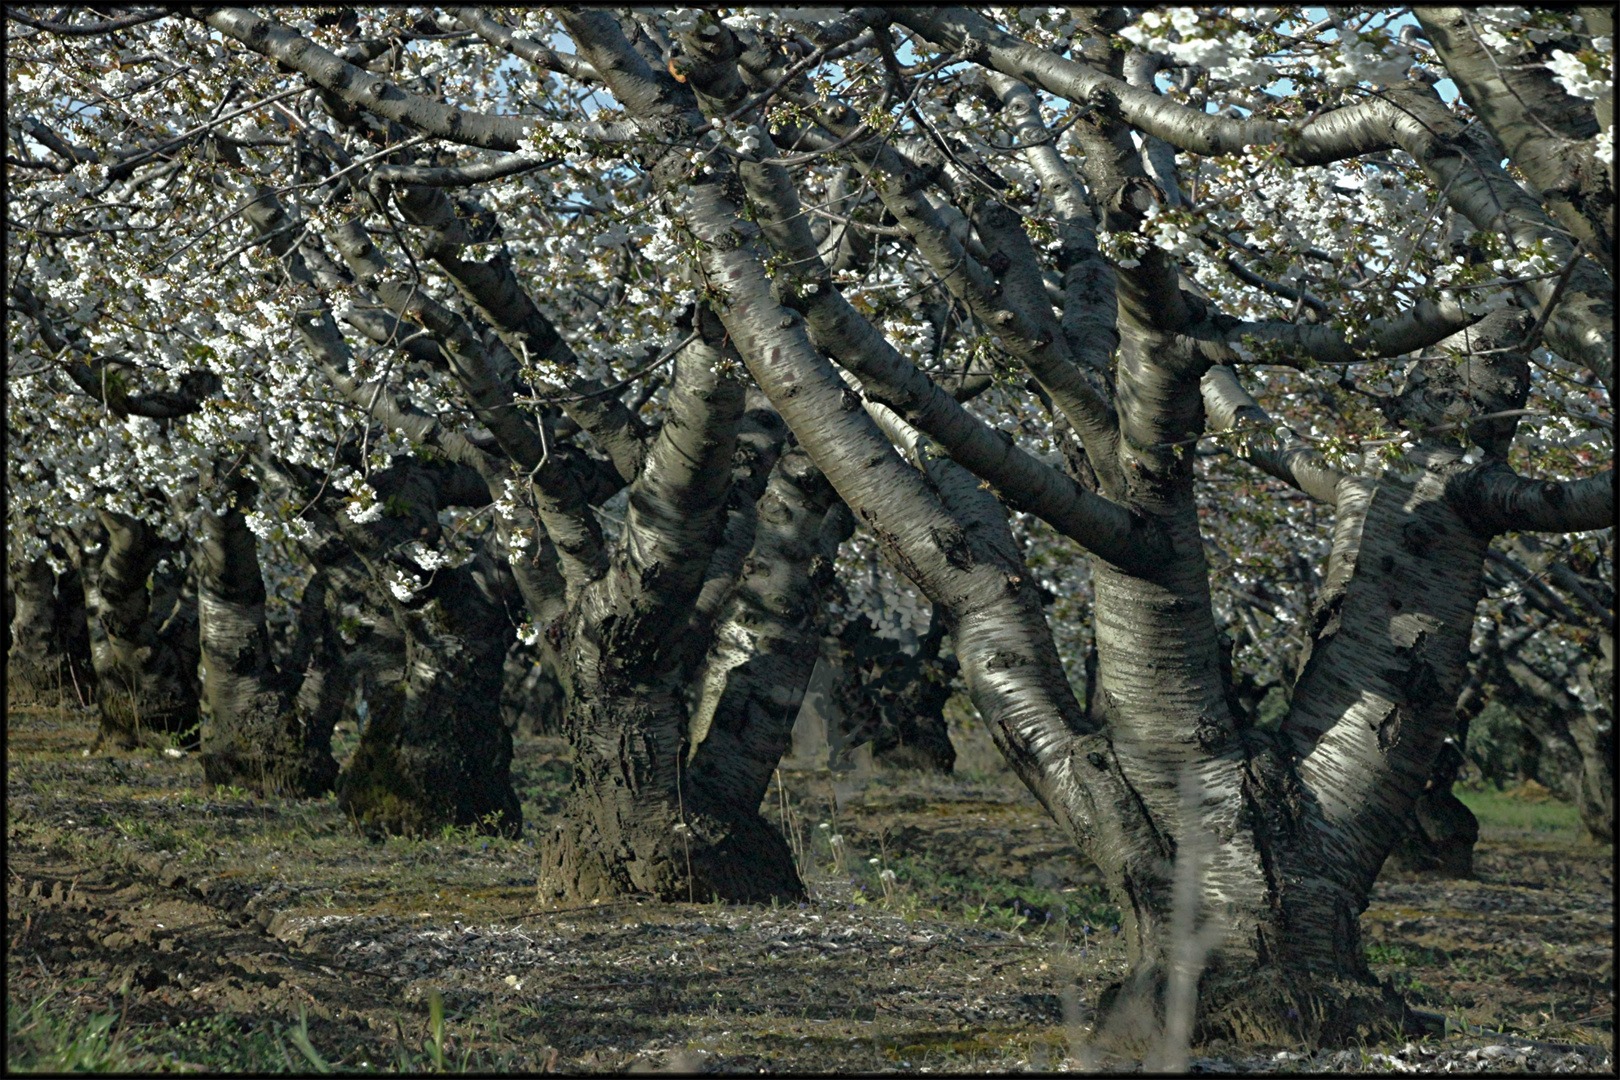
1511,810
926,889
1397,955
39,1039
46,1037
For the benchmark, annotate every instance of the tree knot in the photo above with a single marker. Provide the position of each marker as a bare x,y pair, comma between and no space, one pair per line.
1211,734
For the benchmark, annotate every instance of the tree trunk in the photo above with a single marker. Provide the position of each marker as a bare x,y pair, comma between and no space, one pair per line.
636,824
667,789
1565,742
73,634
433,750
1441,831
327,683
255,736
1593,732
35,664
531,694
438,754
143,642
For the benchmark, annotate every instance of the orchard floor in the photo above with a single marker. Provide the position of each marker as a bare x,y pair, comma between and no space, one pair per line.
152,926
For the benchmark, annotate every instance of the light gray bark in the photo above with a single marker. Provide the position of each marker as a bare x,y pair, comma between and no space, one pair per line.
256,737
34,671
1542,128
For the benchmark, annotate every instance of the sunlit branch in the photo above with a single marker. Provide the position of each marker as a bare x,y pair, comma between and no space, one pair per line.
362,89
1274,448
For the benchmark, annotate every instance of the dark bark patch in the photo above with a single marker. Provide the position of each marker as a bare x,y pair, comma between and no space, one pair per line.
1413,676
1416,538
1388,728
1001,661
1211,734
1325,621
953,542
891,544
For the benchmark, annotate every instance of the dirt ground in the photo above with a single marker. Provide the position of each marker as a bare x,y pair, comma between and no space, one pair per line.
152,925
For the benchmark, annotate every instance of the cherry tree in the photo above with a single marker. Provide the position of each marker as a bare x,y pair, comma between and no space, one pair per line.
1276,323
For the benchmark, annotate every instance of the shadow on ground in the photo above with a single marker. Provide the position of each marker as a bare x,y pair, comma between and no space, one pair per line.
152,925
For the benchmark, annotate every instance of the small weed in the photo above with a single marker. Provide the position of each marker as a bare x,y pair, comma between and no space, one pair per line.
222,1043
299,1037
40,1040
1393,955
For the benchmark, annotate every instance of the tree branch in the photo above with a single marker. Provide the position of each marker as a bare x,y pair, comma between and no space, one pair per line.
89,29
1425,324
1495,499
361,89
1275,449
1341,133
501,299
95,379
493,32
562,505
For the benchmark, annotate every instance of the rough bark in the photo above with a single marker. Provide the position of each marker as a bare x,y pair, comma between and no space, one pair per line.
143,640
255,737
665,801
41,665
433,750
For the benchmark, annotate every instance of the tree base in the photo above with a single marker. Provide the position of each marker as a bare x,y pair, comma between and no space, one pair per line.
260,744
306,775
413,791
127,724
42,686
1266,1008
593,854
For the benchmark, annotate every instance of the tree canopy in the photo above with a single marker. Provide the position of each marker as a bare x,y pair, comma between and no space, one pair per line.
1168,354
